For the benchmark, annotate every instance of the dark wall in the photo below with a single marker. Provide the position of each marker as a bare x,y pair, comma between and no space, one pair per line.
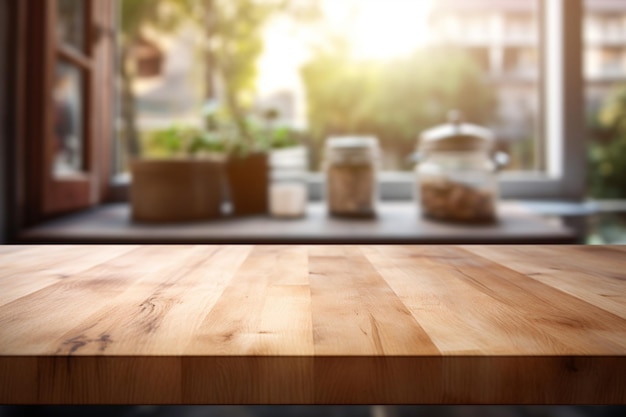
8,89
4,13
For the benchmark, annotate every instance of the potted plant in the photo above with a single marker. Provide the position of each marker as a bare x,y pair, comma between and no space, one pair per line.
247,173
183,178
257,155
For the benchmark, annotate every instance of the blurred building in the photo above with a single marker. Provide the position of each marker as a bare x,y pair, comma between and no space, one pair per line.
605,47
504,38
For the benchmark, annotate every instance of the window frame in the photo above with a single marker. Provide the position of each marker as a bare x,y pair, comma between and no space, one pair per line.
39,194
561,151
73,192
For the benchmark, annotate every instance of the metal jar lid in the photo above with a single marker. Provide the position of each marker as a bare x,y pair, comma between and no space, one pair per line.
352,149
456,136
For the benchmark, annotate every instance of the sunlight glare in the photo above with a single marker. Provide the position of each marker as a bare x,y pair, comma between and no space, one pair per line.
376,29
380,29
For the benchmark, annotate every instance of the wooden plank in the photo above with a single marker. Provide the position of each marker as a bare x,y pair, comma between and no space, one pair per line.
355,312
248,379
273,314
33,323
53,265
599,280
577,327
196,297
132,321
18,379
120,380
533,380
446,304
21,258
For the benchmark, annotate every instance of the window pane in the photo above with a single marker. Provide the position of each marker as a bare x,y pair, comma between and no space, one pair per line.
387,68
68,119
605,74
502,39
71,23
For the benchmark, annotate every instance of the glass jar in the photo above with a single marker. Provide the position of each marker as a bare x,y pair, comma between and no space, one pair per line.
456,173
288,193
351,176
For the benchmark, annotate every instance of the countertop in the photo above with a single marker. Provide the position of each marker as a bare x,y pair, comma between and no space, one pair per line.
396,222
312,324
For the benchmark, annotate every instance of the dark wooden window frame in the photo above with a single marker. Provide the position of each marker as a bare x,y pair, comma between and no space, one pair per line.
40,195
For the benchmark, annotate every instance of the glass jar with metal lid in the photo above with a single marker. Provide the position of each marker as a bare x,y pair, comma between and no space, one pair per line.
456,172
351,166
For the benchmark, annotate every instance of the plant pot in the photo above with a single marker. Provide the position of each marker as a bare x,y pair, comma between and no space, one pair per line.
248,180
176,190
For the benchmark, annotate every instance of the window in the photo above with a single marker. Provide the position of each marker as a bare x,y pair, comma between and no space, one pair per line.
65,52
67,115
528,51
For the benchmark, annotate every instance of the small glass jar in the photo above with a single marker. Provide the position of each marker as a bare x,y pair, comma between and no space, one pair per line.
456,174
288,192
351,176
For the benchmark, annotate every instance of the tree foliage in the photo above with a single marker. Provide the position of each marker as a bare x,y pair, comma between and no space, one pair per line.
230,33
234,44
394,100
137,15
607,156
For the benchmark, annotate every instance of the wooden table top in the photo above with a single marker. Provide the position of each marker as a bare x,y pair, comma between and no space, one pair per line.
367,324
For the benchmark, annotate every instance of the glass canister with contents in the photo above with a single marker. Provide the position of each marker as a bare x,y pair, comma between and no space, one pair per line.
351,169
456,173
288,193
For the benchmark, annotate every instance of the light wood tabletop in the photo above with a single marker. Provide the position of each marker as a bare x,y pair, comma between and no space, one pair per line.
312,324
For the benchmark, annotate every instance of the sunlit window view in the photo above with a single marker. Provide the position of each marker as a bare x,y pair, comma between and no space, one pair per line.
205,76
298,72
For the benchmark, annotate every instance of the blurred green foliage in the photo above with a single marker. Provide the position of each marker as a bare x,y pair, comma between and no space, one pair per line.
186,141
607,149
263,132
182,141
231,40
136,15
394,100
283,137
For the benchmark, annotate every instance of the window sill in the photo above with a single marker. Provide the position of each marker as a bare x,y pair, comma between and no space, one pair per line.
399,186
396,223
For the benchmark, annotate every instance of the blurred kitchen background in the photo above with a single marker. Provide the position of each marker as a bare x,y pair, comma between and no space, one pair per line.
188,76
391,69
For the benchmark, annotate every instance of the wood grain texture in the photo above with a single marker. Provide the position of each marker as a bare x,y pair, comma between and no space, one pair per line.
340,324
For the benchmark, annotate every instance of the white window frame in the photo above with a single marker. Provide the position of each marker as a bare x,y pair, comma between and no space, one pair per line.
562,120
564,128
